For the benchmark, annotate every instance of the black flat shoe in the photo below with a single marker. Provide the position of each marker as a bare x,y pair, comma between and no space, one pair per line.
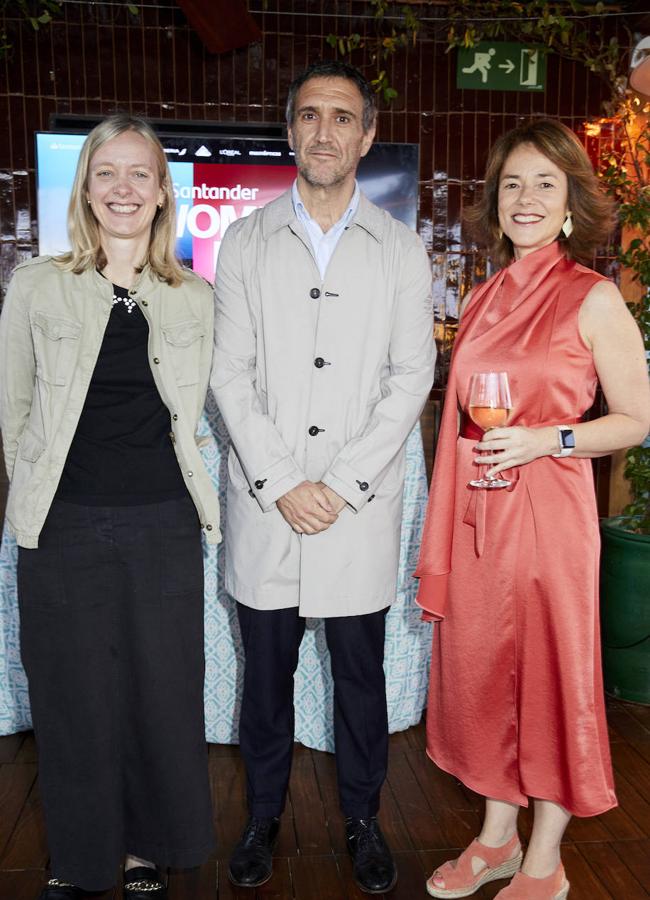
56,889
373,867
251,863
144,883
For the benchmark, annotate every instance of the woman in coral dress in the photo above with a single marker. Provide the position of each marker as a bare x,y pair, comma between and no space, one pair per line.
516,701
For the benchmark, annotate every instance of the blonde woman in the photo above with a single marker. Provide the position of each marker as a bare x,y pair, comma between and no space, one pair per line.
105,354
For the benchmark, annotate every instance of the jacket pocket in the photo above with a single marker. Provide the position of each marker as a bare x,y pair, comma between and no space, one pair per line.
31,446
55,347
184,340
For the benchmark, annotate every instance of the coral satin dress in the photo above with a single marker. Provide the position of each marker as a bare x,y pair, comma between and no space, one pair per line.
516,706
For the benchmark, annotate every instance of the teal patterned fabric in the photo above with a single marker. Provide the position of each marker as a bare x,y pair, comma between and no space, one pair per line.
408,639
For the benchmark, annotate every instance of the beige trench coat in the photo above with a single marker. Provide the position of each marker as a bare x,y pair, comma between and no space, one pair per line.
319,379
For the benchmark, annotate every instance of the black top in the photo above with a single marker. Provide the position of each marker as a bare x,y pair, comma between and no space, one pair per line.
121,453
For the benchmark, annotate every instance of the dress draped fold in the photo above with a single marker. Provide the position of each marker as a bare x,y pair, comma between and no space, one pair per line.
516,702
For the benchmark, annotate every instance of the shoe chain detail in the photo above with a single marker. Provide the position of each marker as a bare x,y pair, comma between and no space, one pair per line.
144,886
56,882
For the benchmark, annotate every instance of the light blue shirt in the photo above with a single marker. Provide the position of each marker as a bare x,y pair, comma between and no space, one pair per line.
323,243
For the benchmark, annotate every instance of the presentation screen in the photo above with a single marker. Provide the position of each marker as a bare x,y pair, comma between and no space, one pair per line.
217,180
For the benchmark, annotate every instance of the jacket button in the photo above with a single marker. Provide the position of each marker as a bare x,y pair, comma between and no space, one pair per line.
251,493
189,474
313,430
319,362
144,303
208,527
371,497
363,485
132,292
175,417
156,360
314,293
259,484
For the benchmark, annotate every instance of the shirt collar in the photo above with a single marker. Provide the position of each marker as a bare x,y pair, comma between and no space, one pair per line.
301,211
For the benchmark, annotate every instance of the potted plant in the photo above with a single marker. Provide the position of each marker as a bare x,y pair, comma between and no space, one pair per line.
625,560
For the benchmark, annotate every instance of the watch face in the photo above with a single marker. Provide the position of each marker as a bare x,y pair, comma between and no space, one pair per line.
568,440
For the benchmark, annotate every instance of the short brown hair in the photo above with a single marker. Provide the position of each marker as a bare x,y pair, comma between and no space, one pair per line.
87,252
593,212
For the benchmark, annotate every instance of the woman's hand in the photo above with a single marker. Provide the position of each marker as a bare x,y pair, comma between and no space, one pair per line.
503,448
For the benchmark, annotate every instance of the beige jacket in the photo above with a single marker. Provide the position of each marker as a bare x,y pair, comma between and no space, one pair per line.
51,330
319,379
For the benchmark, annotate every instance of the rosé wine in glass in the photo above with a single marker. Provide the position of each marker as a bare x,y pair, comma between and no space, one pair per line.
489,407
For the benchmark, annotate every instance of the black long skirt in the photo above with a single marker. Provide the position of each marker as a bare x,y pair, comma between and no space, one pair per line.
111,613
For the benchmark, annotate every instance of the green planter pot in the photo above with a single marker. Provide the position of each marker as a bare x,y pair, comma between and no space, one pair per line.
625,611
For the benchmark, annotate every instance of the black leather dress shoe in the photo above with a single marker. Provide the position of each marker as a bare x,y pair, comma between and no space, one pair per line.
144,883
373,867
251,863
56,889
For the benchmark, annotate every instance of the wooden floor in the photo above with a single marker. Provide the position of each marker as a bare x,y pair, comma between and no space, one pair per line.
426,816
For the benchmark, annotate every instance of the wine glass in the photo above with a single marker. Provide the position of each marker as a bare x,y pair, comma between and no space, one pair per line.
489,407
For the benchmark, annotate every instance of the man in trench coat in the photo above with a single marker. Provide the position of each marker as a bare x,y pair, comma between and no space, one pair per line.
324,357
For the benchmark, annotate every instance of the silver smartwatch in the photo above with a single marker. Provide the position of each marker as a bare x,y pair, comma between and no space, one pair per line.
566,441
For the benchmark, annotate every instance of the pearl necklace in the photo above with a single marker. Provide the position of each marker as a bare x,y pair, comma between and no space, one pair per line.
129,302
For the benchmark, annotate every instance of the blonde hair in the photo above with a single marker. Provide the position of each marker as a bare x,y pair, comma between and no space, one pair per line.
83,231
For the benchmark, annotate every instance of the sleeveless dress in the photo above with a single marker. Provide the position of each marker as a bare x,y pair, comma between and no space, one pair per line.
516,705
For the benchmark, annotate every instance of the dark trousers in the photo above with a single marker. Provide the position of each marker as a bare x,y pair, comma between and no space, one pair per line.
271,642
111,611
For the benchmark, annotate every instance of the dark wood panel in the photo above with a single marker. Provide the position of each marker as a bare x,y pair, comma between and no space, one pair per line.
316,878
427,817
27,846
195,883
16,782
612,871
584,882
9,747
631,819
421,822
636,855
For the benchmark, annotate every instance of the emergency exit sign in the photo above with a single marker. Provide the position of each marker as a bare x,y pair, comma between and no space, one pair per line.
501,66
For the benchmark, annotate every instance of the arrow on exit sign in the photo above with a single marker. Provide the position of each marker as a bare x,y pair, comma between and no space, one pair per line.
501,66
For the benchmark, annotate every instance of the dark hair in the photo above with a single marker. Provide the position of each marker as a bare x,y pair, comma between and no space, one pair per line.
593,212
334,69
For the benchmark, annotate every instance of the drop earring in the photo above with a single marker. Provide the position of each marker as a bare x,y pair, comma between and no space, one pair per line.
500,234
567,227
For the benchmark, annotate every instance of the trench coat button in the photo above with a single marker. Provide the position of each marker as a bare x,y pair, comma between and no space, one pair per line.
259,484
172,437
371,497
156,360
363,485
132,292
144,303
319,362
251,493
208,527
314,293
313,430
189,474
175,417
